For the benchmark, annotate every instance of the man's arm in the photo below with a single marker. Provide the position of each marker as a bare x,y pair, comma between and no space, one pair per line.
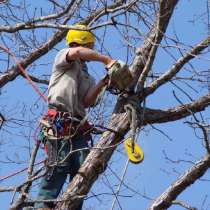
91,96
88,54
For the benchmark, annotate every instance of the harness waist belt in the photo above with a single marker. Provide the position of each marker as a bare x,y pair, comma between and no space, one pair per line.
60,124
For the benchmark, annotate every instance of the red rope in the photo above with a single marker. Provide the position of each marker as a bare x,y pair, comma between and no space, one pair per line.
24,73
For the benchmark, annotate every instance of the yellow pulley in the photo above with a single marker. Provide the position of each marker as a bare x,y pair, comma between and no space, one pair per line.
134,151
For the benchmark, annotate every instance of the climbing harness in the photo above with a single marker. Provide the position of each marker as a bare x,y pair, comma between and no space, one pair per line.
134,151
59,125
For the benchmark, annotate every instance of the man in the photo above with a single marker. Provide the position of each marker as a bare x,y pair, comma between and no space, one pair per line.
71,90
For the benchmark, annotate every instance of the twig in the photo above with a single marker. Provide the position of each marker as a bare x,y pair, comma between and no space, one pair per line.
183,204
120,184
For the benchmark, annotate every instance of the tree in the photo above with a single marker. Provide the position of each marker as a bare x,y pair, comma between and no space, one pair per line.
32,33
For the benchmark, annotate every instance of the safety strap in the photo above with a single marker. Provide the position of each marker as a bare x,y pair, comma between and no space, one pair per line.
133,122
134,151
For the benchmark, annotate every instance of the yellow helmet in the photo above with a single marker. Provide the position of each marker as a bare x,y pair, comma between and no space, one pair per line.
79,36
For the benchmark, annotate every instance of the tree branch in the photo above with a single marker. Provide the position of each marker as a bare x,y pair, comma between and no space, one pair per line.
7,189
25,189
152,116
177,67
37,80
184,205
164,201
155,36
2,120
31,24
165,13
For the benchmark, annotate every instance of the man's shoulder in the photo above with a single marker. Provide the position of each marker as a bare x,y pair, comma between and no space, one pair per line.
62,51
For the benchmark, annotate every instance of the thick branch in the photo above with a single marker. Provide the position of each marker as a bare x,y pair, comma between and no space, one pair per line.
37,80
160,116
164,201
7,189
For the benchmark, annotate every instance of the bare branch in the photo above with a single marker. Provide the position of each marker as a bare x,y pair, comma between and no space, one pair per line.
37,80
165,200
183,204
177,67
7,189
177,113
205,130
31,24
2,120
153,39
165,13
25,190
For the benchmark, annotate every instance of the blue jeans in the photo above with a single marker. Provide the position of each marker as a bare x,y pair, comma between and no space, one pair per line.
52,183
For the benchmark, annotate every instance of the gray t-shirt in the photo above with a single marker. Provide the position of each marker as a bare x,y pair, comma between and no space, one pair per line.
69,83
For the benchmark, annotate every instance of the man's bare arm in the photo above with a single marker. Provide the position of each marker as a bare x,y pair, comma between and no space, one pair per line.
91,96
88,54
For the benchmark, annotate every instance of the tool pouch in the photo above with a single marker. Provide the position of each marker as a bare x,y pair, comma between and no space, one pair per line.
120,76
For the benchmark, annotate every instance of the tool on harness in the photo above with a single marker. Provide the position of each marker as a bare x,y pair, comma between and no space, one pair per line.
57,125
134,151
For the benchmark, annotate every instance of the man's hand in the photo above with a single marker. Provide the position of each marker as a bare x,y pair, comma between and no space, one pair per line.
110,63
